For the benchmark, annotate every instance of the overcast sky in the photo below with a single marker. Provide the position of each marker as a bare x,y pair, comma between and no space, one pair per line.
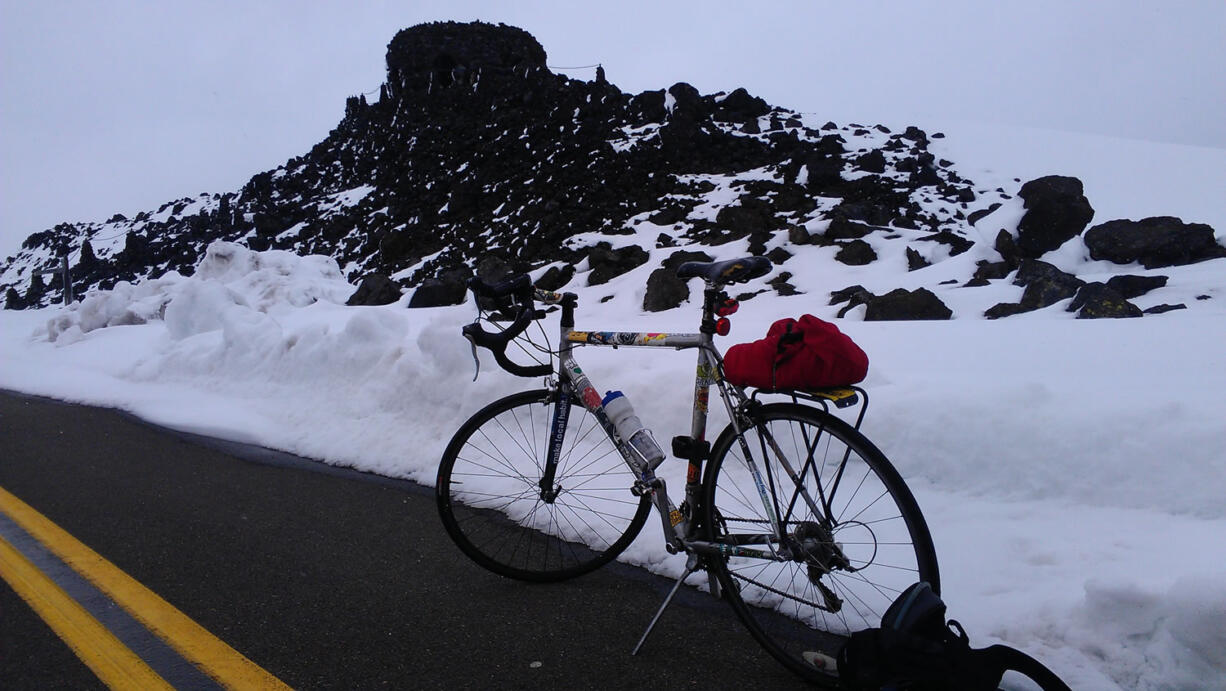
121,106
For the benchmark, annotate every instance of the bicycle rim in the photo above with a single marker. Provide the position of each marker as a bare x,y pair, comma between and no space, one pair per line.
854,548
490,498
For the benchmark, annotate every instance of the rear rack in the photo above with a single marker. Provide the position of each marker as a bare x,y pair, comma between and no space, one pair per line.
841,396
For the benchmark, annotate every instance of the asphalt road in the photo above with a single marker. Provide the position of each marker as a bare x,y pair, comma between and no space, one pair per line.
331,578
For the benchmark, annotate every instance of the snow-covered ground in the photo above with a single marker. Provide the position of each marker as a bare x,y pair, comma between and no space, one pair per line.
1073,472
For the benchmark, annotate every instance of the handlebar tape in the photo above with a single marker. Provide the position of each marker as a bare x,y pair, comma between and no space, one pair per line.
520,288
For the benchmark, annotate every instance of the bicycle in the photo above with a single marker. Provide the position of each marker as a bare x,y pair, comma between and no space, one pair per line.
800,522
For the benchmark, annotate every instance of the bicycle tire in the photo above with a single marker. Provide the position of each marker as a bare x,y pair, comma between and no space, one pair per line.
490,502
874,523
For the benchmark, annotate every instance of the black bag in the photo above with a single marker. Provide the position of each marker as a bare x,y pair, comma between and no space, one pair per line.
916,649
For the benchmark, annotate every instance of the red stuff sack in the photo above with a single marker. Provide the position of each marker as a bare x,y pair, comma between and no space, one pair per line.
805,353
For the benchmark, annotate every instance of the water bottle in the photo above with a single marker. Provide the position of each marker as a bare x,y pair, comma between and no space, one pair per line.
630,428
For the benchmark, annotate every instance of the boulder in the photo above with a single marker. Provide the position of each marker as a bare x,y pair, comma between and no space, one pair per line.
843,229
449,288
664,290
1056,211
1045,284
1154,242
376,289
872,162
901,304
1130,286
555,278
13,300
856,253
1097,301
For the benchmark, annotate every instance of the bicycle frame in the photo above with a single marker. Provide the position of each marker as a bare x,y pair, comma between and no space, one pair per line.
680,532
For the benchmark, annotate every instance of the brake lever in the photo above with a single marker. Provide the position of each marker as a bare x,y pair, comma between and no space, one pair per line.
476,360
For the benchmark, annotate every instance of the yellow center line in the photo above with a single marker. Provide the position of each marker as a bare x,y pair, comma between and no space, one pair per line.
212,656
112,661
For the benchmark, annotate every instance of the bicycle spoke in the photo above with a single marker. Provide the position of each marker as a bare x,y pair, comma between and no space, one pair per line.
494,508
847,524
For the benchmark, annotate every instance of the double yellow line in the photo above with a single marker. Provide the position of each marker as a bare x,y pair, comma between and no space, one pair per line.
113,662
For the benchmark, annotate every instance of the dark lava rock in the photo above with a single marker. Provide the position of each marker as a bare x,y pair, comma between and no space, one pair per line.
986,271
556,278
778,256
1097,301
664,290
856,294
1056,211
1161,309
740,106
872,162
440,53
957,244
856,253
376,289
450,288
607,263
1154,242
13,300
843,229
1007,247
915,260
1130,286
781,284
976,216
903,305
1004,309
1045,284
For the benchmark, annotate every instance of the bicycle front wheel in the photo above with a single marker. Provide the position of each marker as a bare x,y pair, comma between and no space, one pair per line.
852,536
494,508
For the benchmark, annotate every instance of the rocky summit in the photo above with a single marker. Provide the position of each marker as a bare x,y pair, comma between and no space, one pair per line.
477,159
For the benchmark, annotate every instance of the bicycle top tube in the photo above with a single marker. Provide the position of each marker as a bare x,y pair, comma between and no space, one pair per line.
636,338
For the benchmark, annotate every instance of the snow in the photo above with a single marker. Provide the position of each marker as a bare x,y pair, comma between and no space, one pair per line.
1073,472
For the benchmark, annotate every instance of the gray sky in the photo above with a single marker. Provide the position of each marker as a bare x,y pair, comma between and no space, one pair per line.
121,106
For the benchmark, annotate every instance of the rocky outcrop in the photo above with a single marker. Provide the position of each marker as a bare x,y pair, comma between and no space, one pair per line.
477,159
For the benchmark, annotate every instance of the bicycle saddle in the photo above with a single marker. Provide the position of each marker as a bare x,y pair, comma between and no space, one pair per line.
729,271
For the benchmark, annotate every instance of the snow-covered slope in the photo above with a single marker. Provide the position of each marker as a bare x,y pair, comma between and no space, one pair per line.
1071,471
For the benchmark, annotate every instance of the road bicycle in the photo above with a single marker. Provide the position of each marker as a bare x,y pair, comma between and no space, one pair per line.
800,522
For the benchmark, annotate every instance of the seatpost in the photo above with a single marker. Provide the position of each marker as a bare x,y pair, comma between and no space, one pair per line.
709,296
569,300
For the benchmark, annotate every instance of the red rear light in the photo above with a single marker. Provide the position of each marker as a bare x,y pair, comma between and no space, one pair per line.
727,307
723,326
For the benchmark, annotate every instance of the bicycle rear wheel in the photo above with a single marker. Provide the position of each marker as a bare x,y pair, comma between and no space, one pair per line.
493,506
848,550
